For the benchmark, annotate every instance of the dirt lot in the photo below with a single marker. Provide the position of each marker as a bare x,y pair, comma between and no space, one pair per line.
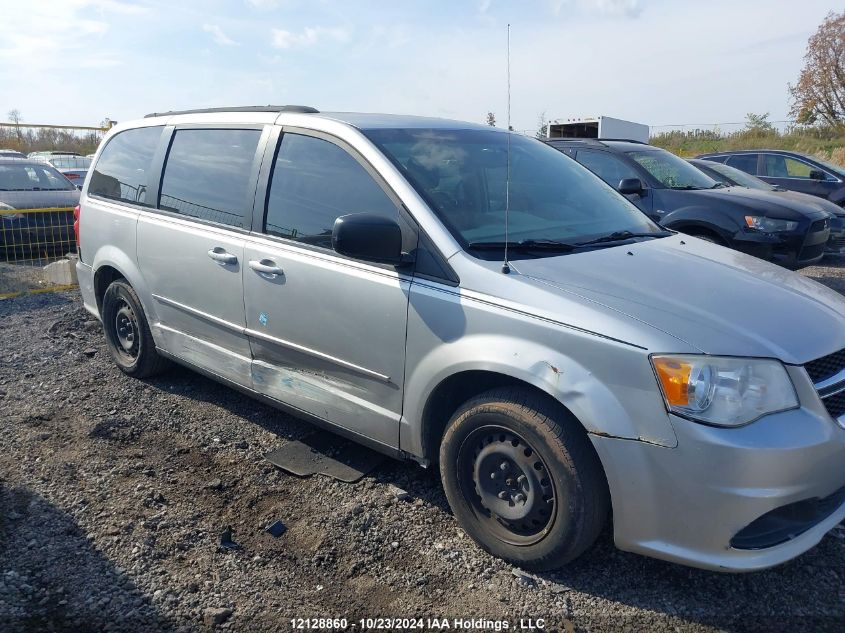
114,493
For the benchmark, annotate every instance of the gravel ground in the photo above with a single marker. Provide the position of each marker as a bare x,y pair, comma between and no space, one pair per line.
114,493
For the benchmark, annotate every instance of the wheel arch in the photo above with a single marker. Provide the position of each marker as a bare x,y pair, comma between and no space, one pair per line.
110,264
455,390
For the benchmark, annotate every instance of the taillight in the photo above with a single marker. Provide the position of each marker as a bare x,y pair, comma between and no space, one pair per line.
72,176
76,213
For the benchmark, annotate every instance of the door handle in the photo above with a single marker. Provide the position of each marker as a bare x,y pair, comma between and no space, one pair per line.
266,267
219,254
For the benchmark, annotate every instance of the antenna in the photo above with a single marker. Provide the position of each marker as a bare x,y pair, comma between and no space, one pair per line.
505,266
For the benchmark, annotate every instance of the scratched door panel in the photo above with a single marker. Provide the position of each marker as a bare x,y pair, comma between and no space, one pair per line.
328,336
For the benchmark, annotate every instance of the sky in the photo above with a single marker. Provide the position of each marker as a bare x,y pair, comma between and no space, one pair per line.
659,62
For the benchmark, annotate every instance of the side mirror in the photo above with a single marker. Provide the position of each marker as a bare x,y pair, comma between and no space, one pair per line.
368,236
817,174
630,186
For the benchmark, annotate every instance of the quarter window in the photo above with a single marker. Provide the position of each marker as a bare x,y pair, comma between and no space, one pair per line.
208,175
121,171
313,183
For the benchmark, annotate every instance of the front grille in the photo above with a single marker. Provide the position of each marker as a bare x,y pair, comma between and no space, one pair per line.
787,522
811,252
835,404
826,366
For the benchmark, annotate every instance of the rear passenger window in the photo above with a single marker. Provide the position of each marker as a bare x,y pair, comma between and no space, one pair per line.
121,171
313,183
208,175
744,162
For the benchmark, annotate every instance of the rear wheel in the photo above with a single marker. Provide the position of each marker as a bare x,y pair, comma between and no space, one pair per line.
522,479
127,333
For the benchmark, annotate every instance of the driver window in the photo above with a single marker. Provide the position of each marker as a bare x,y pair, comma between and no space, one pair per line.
606,166
313,183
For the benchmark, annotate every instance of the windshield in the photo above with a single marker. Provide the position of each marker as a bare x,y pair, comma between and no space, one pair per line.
734,176
32,178
70,162
672,172
463,176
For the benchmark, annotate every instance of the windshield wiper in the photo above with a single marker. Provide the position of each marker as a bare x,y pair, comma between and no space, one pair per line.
526,245
719,185
686,188
621,236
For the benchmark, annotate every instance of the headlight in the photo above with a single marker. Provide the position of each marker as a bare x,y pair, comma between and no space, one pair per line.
9,216
769,225
724,391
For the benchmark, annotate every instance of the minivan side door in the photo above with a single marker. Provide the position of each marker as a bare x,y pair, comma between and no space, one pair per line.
327,331
191,249
794,174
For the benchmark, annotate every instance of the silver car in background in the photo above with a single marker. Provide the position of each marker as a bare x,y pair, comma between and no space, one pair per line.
71,166
460,295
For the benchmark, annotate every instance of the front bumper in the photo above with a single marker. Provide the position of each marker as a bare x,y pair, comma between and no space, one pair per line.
686,504
795,249
836,241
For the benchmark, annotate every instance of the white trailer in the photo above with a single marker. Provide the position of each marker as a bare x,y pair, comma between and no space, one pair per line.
597,127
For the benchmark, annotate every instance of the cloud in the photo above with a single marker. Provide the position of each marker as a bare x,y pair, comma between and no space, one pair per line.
219,36
41,35
620,8
308,37
264,4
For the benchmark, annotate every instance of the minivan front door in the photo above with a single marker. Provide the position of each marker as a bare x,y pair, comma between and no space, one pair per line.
327,332
191,252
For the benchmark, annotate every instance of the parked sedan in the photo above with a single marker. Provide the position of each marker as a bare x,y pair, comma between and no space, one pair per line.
11,153
72,166
732,176
35,208
790,170
680,197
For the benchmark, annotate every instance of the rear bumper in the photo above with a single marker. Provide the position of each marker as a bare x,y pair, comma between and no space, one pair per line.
697,503
85,276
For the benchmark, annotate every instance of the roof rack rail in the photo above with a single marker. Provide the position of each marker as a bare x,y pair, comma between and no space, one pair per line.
623,140
267,108
594,140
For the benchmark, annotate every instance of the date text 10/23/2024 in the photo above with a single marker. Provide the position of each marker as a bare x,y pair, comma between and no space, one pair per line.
417,624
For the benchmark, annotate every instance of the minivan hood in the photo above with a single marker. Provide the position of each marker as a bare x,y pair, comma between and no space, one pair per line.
714,299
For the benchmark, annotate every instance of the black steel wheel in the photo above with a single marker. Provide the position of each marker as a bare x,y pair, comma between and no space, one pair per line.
507,482
127,333
523,479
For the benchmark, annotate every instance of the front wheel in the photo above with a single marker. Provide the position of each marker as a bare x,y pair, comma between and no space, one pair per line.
523,479
128,335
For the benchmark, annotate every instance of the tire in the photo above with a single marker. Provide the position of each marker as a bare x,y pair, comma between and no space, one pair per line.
128,335
551,464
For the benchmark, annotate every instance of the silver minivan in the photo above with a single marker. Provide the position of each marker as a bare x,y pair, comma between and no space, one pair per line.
459,295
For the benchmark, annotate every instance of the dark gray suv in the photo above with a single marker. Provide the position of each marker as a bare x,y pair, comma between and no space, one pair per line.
790,170
677,195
